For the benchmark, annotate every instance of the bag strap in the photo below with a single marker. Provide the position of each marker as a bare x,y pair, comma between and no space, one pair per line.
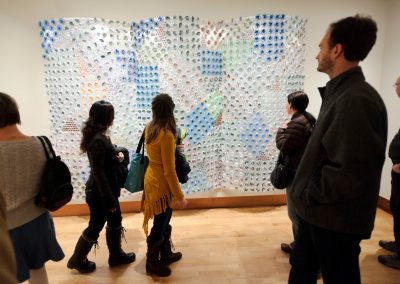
280,158
48,149
140,146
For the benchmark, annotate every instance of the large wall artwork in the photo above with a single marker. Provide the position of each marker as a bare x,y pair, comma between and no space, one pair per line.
229,80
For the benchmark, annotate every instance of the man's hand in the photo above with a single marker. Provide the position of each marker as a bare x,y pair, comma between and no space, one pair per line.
120,157
396,168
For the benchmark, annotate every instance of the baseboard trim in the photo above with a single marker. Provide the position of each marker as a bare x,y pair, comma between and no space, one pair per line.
202,203
384,204
194,203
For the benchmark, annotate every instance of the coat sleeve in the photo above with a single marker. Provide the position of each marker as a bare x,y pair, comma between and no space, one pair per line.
168,160
280,138
354,151
289,140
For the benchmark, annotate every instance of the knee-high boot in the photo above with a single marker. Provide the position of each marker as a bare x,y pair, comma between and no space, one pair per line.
167,256
153,263
79,259
117,255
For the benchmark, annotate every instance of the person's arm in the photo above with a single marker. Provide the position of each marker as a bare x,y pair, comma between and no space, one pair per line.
290,139
96,154
168,159
354,146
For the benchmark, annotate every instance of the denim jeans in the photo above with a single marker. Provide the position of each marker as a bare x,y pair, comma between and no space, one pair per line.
99,215
335,253
160,223
395,206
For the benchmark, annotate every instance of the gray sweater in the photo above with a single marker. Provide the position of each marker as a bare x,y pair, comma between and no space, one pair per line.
21,166
337,183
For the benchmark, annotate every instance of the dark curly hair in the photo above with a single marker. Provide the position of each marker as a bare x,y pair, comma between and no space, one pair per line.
162,107
356,34
101,117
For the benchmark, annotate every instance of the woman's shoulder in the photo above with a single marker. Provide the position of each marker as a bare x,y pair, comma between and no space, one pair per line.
165,135
302,119
168,134
27,142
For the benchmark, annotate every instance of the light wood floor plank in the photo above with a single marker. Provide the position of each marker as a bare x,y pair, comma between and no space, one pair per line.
218,245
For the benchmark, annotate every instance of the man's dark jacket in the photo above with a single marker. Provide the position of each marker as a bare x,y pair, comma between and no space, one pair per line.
336,186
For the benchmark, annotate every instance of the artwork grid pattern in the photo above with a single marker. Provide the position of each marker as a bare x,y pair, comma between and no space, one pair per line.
229,81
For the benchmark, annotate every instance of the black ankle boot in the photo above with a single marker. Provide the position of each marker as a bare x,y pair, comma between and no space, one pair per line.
153,263
79,259
117,255
167,256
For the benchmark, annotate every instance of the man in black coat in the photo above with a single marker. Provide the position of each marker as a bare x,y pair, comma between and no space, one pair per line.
336,187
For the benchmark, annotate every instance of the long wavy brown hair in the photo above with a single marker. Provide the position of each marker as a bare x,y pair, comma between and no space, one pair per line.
101,117
162,107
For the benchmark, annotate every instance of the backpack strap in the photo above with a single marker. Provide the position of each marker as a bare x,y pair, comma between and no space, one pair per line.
48,149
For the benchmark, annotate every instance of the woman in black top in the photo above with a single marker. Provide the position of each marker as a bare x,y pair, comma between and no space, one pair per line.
291,140
102,191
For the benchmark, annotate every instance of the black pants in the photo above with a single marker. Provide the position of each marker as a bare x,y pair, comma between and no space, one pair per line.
395,206
99,215
160,223
336,254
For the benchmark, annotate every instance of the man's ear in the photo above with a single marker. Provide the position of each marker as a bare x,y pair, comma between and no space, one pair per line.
337,50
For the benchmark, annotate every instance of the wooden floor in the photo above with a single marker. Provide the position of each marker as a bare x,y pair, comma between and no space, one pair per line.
218,245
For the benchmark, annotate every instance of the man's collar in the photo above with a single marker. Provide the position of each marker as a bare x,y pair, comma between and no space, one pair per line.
334,82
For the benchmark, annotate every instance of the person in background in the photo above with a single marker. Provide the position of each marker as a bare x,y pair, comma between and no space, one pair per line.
7,258
336,187
30,227
393,260
102,192
161,186
291,140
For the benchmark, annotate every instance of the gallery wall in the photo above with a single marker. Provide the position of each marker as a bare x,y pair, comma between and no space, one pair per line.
22,69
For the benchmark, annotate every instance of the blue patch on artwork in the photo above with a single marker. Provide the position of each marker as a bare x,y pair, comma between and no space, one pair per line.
197,182
212,63
269,35
256,135
49,32
127,61
147,81
198,123
142,29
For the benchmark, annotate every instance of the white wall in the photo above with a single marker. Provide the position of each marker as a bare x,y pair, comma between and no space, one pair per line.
21,65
